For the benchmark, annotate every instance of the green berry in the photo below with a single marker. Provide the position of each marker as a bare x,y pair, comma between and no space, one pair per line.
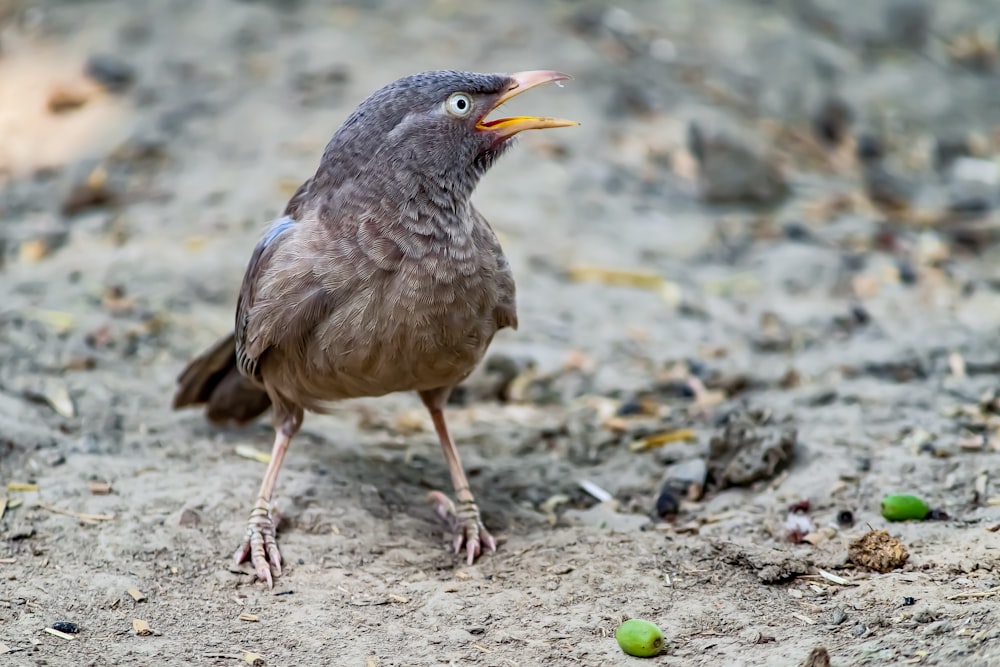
903,507
639,638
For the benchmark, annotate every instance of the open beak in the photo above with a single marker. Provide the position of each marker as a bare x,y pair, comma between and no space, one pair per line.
508,127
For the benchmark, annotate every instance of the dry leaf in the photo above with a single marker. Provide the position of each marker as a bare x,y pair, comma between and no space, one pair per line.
67,98
21,486
194,243
137,595
617,277
100,488
248,452
33,251
660,439
820,536
618,424
58,320
59,633
141,627
58,398
408,422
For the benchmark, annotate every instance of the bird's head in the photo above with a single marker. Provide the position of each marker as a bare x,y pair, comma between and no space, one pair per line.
436,124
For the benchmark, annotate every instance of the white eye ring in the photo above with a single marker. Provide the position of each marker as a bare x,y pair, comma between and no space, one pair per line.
458,105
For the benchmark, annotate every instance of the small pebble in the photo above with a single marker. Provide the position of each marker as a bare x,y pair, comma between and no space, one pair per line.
839,616
907,273
55,459
66,626
845,518
947,149
909,602
860,315
859,630
832,121
796,231
869,148
681,476
110,71
630,407
189,517
667,503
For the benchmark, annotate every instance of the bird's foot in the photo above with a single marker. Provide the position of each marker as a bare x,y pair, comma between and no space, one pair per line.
260,543
465,524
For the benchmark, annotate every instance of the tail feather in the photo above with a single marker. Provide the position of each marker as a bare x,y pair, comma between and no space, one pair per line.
213,380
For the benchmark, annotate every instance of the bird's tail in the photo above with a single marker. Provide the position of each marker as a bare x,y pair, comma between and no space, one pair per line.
214,381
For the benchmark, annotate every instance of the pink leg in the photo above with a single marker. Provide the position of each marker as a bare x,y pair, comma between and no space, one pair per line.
464,521
260,542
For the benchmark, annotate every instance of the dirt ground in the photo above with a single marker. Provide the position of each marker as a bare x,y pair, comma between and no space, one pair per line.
852,307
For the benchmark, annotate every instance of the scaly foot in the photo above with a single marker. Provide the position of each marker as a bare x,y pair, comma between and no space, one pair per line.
260,542
465,525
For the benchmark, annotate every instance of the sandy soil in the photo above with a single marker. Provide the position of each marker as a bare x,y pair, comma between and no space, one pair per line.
128,215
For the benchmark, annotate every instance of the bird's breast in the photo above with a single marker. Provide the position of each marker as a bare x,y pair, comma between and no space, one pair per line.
424,325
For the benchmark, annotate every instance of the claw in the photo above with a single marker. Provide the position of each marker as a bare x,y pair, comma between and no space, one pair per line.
466,526
260,543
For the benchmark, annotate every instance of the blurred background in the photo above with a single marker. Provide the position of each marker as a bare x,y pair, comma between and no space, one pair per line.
776,211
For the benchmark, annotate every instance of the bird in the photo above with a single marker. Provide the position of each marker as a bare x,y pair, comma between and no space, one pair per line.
379,277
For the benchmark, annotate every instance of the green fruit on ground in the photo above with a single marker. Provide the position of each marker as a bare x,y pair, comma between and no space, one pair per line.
904,507
639,638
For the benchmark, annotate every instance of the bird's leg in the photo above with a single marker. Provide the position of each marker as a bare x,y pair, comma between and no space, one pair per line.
464,520
260,542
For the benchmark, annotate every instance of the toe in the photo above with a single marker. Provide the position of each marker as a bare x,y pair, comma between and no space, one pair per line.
443,506
471,551
274,558
264,574
241,554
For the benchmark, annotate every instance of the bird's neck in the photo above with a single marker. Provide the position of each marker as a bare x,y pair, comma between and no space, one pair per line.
435,210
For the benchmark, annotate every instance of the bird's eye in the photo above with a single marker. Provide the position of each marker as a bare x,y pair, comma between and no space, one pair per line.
458,104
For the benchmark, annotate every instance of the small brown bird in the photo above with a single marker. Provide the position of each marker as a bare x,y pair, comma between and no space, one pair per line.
380,277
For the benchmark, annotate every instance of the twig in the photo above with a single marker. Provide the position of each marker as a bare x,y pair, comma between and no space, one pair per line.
82,516
829,576
595,491
975,594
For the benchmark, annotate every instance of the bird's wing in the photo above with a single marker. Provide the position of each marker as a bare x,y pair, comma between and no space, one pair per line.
281,300
260,259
